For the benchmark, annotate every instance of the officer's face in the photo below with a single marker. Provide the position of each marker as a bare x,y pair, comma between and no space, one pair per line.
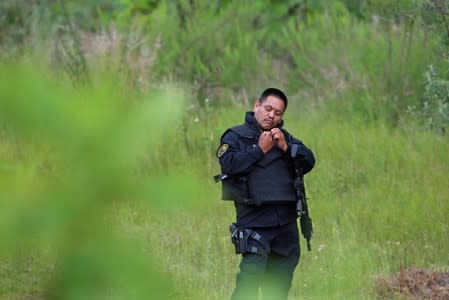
269,113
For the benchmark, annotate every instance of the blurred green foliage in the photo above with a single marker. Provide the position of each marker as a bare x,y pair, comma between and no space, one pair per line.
73,156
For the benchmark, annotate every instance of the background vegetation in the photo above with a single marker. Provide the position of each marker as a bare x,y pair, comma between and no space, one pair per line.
111,113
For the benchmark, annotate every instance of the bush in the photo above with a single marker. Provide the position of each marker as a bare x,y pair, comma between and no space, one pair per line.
434,112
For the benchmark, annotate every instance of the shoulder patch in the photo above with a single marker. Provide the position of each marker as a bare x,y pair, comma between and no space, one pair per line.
222,150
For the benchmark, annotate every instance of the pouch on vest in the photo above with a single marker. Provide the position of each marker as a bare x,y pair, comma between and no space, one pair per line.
234,188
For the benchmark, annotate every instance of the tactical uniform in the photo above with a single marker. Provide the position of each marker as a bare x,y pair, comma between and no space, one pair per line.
261,186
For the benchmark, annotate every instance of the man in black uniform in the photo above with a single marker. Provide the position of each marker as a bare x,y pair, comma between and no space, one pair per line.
258,175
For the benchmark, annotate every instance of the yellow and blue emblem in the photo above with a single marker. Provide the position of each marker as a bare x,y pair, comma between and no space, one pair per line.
222,150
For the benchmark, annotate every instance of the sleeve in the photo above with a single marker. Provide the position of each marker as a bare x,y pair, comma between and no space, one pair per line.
234,158
304,155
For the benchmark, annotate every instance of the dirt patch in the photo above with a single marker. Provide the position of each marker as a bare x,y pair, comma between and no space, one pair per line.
414,283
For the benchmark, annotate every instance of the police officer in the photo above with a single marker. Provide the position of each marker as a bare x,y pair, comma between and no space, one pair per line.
257,174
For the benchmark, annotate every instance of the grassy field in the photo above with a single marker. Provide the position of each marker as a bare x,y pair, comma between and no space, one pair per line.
378,201
76,200
106,183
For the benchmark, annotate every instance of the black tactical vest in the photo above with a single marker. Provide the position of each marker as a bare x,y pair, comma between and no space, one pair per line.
271,180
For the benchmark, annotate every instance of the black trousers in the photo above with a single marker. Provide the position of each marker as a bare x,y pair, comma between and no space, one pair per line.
273,274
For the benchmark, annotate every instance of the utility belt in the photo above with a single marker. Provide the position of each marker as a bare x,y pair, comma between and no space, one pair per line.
248,241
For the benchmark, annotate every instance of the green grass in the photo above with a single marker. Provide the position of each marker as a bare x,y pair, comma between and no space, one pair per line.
378,199
107,190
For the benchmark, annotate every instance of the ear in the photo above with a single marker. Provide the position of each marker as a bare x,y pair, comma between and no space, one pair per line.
256,106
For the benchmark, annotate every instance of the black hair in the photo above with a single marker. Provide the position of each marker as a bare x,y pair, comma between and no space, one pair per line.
276,93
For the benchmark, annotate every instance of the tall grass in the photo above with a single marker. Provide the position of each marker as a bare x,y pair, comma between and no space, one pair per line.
107,188
377,199
376,206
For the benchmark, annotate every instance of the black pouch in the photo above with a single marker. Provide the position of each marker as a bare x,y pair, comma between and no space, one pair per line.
234,188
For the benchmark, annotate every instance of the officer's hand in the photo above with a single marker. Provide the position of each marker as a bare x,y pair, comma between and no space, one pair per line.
266,142
279,139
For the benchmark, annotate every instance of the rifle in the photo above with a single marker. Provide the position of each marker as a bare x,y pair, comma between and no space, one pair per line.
301,203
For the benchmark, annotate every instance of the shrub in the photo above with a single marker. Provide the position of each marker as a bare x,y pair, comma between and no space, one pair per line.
434,112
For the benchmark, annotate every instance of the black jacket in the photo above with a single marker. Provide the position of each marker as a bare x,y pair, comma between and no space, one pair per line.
239,155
